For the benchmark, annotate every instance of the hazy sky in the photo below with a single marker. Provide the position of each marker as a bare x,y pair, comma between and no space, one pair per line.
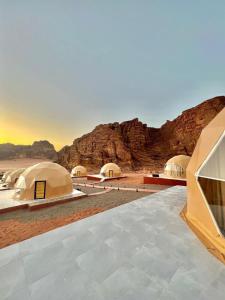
66,66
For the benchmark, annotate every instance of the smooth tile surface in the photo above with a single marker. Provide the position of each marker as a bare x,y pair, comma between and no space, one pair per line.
140,250
6,200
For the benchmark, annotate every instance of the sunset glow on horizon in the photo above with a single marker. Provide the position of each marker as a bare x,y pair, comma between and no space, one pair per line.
19,133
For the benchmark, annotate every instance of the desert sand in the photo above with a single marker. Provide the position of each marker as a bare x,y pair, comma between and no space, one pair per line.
11,164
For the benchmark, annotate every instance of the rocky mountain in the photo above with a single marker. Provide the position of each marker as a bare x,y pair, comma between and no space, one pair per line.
40,149
134,145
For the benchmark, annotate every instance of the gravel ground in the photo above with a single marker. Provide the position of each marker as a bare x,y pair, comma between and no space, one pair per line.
121,183
142,186
103,201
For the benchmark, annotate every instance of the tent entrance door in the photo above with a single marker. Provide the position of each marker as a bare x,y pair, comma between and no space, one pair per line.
39,189
78,173
110,173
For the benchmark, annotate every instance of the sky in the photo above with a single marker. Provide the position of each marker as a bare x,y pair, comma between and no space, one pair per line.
67,66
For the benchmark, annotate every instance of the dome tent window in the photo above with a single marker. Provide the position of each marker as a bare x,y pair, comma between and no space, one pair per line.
40,189
110,173
211,178
174,170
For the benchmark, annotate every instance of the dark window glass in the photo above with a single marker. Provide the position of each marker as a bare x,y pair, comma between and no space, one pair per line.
214,191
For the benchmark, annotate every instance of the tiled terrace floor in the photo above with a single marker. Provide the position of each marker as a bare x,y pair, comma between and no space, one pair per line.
6,200
141,250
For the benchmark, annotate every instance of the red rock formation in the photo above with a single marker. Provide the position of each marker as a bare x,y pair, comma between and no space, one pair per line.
181,134
133,145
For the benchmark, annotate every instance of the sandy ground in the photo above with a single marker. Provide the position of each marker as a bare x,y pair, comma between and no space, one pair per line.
23,224
19,163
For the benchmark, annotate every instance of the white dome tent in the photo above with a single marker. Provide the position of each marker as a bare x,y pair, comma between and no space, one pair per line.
110,170
5,175
44,180
13,177
79,171
176,166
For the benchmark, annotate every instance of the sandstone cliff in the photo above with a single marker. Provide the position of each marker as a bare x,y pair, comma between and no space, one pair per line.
40,149
134,145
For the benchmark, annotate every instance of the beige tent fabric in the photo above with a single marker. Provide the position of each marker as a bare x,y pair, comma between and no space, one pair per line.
176,166
206,195
13,177
79,171
110,170
58,181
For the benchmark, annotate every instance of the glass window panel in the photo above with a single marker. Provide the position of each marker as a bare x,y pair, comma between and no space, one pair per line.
172,169
215,166
214,191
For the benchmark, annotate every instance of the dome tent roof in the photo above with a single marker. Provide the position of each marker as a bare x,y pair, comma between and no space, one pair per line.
110,170
57,181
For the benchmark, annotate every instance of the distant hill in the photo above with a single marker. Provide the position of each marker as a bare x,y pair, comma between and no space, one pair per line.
39,149
134,145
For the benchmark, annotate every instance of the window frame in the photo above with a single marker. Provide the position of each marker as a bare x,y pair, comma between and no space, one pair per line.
35,188
200,188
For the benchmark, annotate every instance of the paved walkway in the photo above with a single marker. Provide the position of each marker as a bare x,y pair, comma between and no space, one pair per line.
6,200
140,250
7,203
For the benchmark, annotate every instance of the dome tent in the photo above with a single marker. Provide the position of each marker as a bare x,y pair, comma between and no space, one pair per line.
176,166
43,181
5,175
13,177
110,170
206,185
79,171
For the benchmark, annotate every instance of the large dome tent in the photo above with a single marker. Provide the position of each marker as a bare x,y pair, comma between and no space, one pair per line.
44,180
